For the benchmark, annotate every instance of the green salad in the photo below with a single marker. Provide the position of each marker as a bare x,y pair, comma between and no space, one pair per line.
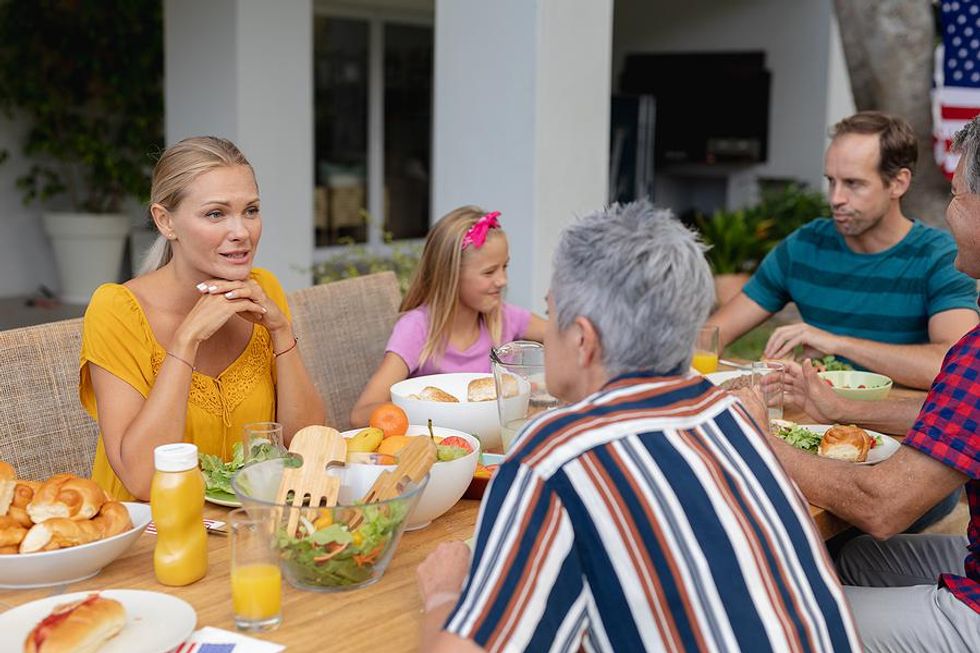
800,437
218,473
831,364
325,553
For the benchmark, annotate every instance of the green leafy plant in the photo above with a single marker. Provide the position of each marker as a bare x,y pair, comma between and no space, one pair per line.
357,259
740,239
791,207
88,79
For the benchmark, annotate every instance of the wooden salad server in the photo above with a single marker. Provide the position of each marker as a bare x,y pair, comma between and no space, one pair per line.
414,461
320,446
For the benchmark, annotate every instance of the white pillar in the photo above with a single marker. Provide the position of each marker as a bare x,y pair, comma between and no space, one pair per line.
521,120
242,69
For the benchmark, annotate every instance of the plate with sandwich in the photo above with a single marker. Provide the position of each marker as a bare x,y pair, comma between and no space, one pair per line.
838,441
111,621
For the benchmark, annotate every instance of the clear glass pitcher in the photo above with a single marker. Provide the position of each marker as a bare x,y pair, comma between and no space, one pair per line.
518,372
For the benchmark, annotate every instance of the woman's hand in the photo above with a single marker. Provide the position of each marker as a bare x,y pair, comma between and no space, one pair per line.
260,309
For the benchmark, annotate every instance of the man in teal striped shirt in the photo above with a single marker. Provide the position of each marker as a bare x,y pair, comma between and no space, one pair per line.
872,286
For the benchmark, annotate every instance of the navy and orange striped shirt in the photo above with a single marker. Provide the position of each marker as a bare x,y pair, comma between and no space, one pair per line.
651,516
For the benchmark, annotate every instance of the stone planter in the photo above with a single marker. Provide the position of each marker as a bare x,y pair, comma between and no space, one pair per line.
88,250
729,285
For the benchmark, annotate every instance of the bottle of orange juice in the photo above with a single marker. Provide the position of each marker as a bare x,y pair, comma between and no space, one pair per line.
177,505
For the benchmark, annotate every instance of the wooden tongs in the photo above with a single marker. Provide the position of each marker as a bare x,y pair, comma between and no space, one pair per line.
414,462
320,447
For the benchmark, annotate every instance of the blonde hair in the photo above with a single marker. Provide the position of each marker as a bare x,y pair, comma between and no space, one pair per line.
436,280
177,168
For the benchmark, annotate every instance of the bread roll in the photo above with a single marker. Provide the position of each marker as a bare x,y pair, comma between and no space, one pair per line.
848,443
23,494
7,550
8,480
431,393
61,532
113,519
80,627
64,495
485,389
11,532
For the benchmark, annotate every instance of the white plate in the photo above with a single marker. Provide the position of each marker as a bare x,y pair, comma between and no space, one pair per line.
881,452
46,568
155,622
227,503
720,377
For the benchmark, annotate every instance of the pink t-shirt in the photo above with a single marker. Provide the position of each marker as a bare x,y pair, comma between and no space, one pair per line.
408,338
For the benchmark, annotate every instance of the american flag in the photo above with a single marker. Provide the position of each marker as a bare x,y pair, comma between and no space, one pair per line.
956,96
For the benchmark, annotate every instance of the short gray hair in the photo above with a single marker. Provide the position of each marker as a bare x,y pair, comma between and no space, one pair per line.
967,143
641,278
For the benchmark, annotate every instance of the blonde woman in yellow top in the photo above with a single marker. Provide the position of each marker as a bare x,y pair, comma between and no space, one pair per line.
200,343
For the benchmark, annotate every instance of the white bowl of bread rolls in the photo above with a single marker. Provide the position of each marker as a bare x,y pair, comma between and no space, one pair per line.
61,530
464,401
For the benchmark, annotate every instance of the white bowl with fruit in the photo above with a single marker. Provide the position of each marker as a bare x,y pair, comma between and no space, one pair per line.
370,453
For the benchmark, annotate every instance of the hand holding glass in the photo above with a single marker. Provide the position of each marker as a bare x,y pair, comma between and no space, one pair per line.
256,582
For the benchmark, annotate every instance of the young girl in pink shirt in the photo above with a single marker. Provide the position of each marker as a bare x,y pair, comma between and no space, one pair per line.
454,311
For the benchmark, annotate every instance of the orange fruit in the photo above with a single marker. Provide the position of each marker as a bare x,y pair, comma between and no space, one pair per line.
391,446
389,418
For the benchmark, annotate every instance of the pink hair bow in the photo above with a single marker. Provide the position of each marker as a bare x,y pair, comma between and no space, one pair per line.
477,234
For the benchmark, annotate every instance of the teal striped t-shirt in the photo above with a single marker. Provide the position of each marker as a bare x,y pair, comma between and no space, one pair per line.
887,296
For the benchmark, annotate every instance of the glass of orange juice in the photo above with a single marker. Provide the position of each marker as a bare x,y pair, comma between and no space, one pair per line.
705,358
256,582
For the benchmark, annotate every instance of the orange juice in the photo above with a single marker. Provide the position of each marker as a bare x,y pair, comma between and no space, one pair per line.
705,362
180,556
256,591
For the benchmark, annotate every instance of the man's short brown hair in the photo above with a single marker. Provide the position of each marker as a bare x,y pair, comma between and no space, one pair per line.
897,145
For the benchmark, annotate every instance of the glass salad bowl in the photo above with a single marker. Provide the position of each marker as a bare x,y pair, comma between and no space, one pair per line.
332,549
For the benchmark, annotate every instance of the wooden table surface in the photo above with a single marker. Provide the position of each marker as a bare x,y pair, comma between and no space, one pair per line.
383,617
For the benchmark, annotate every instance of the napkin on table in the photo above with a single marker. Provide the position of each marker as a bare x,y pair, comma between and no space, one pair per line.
216,640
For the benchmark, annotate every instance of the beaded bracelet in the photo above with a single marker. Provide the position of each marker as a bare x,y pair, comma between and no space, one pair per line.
287,349
193,369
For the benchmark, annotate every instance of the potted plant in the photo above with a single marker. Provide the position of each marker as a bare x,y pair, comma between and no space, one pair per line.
740,239
87,77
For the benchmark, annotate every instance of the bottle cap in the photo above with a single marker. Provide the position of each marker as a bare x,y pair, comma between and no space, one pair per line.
175,457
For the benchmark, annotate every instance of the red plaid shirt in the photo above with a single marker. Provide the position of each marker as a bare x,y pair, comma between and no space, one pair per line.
947,430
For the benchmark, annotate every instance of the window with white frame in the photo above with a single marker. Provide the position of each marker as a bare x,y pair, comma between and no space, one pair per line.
373,124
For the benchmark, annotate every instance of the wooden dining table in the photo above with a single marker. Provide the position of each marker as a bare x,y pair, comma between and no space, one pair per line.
385,616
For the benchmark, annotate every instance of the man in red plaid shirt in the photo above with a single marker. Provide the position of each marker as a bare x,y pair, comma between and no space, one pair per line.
909,592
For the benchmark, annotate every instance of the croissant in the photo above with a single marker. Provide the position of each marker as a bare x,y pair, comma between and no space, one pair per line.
61,532
11,532
7,550
7,482
845,443
64,495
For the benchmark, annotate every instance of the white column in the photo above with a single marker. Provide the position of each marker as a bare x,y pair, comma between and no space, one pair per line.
242,69
521,120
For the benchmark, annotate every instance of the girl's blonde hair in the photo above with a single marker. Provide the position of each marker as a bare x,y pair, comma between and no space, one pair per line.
176,169
436,280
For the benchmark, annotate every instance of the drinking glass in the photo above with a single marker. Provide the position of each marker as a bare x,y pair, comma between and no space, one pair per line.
256,582
262,441
705,358
520,363
768,377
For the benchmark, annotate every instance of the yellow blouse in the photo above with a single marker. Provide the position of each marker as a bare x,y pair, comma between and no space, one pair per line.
117,337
